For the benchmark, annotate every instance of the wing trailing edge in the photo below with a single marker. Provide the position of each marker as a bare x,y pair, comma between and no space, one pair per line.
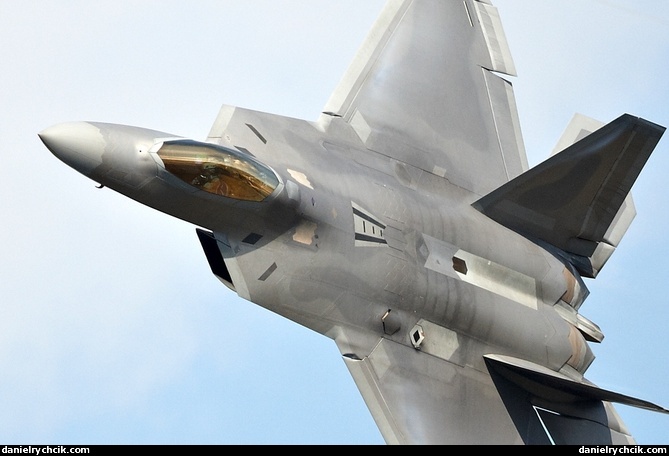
577,200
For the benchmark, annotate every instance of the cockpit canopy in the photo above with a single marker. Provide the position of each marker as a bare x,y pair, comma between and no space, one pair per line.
218,170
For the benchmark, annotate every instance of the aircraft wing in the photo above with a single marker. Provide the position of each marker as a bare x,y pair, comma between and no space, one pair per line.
423,91
433,396
416,397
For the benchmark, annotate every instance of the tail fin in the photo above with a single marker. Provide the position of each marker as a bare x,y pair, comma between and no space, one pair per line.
577,200
580,127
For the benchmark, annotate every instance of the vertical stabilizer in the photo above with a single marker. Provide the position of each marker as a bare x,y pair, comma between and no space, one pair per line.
577,200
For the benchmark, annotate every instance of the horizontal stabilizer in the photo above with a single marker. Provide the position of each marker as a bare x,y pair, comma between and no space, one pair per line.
571,200
554,387
550,408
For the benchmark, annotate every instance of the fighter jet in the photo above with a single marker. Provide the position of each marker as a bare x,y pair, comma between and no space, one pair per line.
405,224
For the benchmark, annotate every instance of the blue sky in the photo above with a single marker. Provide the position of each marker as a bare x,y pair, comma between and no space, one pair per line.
113,329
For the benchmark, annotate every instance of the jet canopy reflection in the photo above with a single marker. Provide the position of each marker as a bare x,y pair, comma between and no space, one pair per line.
218,170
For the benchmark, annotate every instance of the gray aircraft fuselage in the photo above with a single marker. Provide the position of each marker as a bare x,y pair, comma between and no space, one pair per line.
303,239
404,225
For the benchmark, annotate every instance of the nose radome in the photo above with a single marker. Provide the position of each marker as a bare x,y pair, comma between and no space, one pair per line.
78,144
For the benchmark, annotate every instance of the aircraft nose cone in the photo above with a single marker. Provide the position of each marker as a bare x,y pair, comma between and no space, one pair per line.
78,144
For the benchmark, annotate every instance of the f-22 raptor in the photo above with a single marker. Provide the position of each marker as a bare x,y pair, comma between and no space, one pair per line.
405,224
